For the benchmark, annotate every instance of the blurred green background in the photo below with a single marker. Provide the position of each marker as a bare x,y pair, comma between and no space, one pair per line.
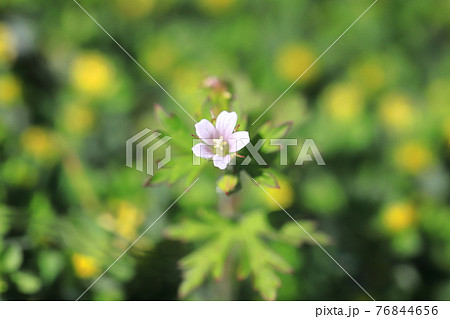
377,106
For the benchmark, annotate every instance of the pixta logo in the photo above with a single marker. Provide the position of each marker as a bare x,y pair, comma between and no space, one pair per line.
140,143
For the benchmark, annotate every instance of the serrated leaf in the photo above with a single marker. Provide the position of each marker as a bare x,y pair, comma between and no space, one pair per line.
243,267
207,224
266,282
254,257
256,222
190,230
263,262
209,259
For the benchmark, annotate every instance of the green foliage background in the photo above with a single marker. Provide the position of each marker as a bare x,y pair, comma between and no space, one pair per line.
376,105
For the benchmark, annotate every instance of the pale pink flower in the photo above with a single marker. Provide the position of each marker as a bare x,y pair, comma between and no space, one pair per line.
220,142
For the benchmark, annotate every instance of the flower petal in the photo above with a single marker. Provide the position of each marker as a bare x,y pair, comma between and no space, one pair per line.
221,161
206,131
238,140
225,123
202,150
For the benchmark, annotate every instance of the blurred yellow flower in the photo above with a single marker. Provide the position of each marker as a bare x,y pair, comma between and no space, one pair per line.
8,50
84,266
399,216
216,7
10,89
283,195
293,60
344,102
128,219
413,156
39,143
135,9
92,73
77,118
396,112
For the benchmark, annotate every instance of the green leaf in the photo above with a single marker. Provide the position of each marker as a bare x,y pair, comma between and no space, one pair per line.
159,177
190,230
3,286
178,168
26,282
176,129
209,259
5,220
123,271
195,172
169,121
266,282
268,179
292,234
42,219
243,266
263,263
254,256
50,265
253,168
208,224
268,132
12,258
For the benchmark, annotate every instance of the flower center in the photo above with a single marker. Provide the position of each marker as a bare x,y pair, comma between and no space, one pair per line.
220,146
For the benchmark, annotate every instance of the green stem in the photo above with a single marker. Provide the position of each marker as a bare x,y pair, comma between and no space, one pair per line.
223,289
